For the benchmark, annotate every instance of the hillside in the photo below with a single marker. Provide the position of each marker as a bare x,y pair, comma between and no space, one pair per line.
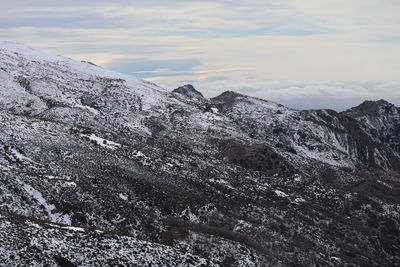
101,168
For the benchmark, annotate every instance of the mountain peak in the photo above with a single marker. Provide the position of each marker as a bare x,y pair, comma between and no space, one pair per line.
373,108
229,94
226,97
188,90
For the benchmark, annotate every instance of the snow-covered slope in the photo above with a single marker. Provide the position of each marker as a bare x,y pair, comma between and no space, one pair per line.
173,178
27,242
322,135
60,88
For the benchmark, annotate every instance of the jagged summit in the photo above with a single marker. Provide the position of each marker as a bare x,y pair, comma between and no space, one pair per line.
374,108
381,120
226,100
231,101
188,90
226,97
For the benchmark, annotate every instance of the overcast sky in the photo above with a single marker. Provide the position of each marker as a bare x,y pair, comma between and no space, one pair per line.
302,53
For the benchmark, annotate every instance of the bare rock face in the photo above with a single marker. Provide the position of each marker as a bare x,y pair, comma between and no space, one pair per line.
189,91
259,157
226,100
381,120
101,168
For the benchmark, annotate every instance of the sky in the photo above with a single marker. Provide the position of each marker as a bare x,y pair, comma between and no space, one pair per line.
301,53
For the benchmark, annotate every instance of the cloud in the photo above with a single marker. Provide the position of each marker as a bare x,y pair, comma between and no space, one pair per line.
307,94
386,39
207,18
217,78
154,68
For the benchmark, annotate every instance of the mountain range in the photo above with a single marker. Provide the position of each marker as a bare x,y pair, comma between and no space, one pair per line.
99,168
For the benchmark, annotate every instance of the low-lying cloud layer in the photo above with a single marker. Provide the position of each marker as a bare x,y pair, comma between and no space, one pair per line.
308,94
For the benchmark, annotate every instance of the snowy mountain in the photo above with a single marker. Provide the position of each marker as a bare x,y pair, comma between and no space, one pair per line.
101,168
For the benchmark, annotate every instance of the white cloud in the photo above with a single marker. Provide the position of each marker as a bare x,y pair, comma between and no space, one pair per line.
307,94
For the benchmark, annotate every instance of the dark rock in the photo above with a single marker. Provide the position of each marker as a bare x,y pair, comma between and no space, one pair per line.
189,91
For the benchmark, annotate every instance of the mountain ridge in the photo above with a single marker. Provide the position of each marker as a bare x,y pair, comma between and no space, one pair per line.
231,180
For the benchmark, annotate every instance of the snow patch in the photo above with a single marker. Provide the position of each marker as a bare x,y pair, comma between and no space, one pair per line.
92,110
72,228
123,196
69,184
221,182
187,213
241,225
299,200
280,193
102,142
214,110
21,157
35,194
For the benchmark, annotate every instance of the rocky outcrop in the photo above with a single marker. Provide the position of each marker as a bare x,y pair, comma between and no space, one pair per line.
189,91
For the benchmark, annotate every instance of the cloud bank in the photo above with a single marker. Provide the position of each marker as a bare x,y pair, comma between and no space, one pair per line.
308,94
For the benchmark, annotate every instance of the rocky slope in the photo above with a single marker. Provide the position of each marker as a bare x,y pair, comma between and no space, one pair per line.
100,168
